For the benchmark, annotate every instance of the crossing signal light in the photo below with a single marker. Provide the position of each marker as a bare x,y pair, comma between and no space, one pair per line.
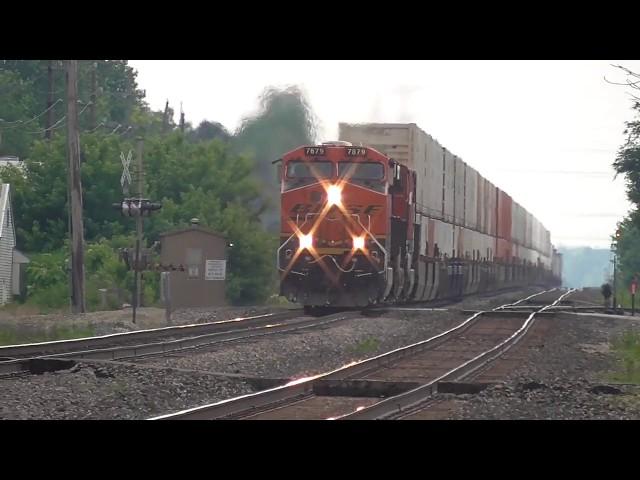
131,207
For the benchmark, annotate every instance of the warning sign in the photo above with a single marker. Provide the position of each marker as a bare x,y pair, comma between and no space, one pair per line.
215,270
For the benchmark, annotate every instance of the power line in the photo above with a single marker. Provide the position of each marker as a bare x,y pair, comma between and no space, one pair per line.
29,121
55,125
97,127
557,172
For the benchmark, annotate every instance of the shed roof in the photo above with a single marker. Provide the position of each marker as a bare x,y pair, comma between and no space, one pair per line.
191,229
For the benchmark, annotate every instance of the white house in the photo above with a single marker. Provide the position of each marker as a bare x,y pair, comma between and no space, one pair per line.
9,160
11,260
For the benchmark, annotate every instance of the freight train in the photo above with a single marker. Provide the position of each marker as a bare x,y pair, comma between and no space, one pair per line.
387,215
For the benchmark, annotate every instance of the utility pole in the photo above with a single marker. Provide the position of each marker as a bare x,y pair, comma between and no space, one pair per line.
615,300
181,118
49,118
165,117
75,190
94,88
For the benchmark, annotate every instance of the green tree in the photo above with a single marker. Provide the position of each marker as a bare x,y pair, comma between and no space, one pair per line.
40,194
209,131
627,163
17,106
117,96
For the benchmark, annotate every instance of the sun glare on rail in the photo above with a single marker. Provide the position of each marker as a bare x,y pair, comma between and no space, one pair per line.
300,380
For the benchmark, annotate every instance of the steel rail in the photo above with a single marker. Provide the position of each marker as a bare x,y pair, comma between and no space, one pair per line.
411,399
301,388
54,346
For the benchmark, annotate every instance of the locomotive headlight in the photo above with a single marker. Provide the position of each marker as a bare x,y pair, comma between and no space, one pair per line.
358,243
306,241
334,195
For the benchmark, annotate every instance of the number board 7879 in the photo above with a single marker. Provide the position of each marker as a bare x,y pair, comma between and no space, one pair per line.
356,152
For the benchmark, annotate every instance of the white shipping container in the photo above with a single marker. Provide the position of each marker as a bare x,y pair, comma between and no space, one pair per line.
444,237
480,210
458,189
449,181
471,198
449,190
491,208
434,182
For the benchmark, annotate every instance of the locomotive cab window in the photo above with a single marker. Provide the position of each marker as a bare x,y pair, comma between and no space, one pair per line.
368,174
301,173
310,170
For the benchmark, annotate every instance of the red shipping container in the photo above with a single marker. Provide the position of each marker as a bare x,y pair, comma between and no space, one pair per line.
504,250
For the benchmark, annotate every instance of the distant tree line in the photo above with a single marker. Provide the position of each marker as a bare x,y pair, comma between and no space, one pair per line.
224,179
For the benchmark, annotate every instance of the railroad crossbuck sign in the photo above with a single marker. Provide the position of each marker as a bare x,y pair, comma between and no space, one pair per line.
125,179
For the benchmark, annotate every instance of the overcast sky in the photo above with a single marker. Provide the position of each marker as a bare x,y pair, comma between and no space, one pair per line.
544,131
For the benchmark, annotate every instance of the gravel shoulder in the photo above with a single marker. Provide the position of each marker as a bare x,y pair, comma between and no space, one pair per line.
100,391
566,376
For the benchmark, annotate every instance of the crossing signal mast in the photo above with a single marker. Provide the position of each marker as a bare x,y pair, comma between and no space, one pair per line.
137,207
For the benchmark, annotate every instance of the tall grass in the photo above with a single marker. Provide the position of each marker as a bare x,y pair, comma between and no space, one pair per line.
627,351
13,335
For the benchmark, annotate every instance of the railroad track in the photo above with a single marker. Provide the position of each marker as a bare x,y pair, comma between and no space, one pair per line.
39,357
405,378
59,346
35,356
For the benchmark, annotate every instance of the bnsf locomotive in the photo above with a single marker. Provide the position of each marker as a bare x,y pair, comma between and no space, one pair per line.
388,215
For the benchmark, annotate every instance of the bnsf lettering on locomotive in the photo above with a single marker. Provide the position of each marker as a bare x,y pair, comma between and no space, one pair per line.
371,209
354,209
356,152
304,208
299,209
314,151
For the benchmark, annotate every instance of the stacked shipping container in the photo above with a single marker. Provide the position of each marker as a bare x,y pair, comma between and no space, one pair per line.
460,213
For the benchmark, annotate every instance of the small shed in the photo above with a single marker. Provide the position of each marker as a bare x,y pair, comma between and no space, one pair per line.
200,256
